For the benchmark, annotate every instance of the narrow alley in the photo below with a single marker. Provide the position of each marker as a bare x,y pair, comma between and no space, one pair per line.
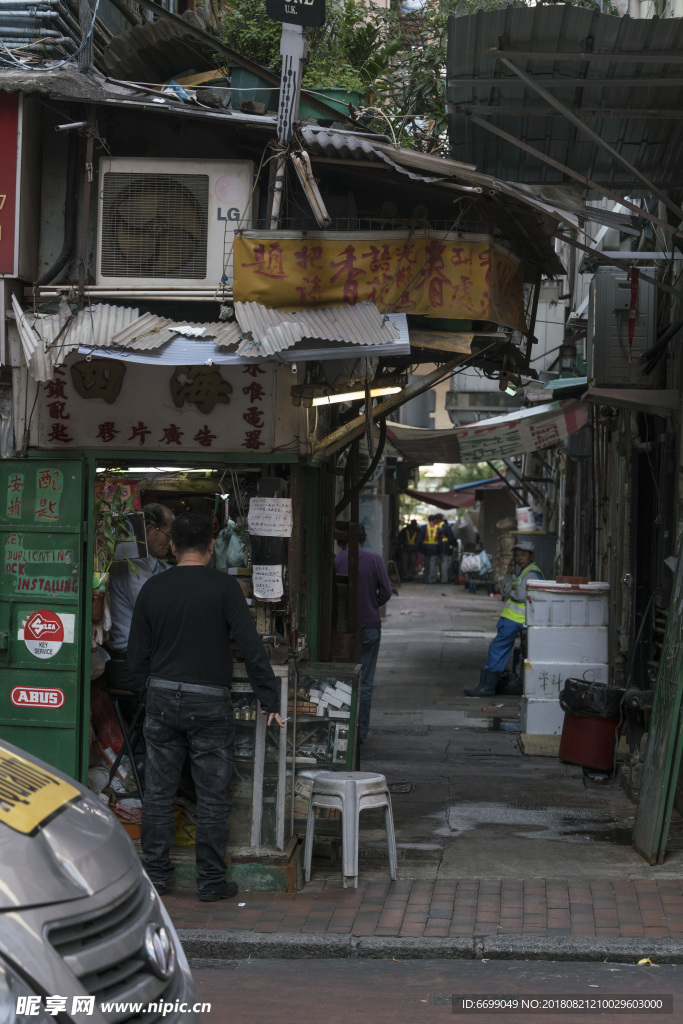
467,803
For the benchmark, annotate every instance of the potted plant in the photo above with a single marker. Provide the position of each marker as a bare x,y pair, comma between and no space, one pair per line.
112,527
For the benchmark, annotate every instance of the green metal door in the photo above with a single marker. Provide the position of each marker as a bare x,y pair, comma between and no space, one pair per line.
665,739
42,611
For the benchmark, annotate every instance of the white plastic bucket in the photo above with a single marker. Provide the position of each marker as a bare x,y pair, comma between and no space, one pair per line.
526,520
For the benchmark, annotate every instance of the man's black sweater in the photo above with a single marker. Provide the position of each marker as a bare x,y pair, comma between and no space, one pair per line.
182,624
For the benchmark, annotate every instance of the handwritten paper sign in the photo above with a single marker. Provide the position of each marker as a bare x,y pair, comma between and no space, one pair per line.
267,582
270,517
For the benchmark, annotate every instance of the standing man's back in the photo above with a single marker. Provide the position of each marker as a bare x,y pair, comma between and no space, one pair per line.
180,643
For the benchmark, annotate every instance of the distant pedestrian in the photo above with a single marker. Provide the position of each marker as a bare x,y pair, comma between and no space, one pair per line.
374,590
447,545
408,540
180,645
429,546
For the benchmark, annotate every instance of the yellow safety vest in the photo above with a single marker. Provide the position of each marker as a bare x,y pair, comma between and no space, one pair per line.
411,538
513,609
431,534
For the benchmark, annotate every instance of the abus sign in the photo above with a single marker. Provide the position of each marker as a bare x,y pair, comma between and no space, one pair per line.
44,633
33,696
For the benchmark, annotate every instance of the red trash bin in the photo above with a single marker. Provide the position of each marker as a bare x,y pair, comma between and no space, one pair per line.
589,742
593,722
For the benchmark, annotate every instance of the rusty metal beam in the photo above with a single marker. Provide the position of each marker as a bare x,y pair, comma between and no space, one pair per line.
587,182
618,263
343,436
582,127
634,114
569,83
673,57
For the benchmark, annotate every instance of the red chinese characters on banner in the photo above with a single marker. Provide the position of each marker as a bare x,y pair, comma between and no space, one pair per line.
545,434
58,432
107,431
254,415
49,480
141,431
15,488
268,262
171,435
348,272
204,437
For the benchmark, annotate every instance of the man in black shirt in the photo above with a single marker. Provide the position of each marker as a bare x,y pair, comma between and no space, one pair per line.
180,643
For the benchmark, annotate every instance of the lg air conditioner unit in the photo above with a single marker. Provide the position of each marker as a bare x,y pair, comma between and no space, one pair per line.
168,224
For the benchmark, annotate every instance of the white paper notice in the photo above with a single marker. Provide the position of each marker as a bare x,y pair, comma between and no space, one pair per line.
267,582
270,517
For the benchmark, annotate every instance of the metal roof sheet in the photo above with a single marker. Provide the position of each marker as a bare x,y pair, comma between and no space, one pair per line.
606,89
274,331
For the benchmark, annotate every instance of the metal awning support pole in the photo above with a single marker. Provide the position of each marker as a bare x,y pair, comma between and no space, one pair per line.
618,263
525,483
343,436
578,123
513,490
587,182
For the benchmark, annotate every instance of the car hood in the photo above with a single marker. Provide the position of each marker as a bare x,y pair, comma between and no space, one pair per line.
76,851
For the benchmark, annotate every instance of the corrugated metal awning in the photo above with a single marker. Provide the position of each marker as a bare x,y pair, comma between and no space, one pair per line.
623,77
119,332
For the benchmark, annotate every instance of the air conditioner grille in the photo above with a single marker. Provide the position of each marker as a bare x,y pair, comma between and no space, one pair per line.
154,225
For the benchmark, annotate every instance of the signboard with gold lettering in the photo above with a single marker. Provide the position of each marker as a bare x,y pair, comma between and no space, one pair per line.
104,403
426,273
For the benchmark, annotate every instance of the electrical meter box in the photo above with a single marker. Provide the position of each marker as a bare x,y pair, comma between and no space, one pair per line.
612,362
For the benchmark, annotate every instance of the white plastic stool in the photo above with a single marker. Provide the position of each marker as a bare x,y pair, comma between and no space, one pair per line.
350,793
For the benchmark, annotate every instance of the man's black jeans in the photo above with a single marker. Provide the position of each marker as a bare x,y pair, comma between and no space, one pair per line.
204,727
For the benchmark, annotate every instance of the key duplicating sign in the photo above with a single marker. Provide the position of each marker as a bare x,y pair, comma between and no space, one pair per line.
44,633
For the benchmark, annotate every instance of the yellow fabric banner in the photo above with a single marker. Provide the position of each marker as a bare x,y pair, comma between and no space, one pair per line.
422,273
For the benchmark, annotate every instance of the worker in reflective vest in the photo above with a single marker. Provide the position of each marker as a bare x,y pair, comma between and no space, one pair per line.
430,542
513,588
408,540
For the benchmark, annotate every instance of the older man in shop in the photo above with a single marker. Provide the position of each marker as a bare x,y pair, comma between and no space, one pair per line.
126,582
180,644
521,569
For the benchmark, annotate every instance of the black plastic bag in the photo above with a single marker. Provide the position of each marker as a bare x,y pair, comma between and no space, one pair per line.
591,700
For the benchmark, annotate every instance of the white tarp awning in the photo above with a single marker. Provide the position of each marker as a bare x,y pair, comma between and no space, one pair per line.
527,430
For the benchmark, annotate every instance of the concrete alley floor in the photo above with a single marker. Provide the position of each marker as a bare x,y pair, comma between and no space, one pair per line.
467,803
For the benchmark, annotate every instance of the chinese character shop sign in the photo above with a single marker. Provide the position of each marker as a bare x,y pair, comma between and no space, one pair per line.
426,274
155,408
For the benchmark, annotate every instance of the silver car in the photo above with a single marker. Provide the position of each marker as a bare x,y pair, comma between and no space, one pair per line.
83,934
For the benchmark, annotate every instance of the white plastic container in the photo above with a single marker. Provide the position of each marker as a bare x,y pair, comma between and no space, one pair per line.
545,680
526,520
568,645
566,604
541,717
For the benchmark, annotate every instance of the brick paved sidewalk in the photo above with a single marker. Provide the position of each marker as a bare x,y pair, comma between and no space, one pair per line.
443,909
